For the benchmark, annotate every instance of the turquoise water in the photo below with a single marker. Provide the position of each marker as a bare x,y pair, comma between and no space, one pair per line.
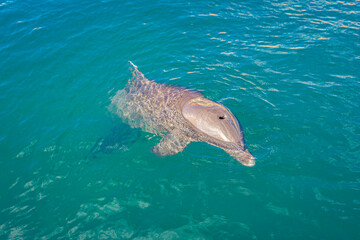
289,70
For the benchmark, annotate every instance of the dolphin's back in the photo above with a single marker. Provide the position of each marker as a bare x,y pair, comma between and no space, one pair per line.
151,106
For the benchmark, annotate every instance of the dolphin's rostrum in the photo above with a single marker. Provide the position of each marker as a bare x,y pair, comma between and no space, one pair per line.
180,115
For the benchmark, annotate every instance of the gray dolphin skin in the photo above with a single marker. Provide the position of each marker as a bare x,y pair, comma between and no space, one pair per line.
180,115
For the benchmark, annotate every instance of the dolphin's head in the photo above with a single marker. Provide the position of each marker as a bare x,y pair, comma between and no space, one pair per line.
219,126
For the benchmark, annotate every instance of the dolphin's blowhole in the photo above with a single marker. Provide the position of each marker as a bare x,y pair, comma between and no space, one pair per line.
212,119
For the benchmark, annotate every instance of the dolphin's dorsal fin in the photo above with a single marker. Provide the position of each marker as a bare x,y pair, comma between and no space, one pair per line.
137,76
133,65
171,144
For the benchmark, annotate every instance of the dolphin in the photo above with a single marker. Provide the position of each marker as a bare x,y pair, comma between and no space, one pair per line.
180,115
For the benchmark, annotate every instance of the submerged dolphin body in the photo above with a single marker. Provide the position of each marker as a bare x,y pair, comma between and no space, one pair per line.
180,115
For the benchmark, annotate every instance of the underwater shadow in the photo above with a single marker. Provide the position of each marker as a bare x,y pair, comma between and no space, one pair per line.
118,139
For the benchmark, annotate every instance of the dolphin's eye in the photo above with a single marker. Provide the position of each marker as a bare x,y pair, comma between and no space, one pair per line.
221,117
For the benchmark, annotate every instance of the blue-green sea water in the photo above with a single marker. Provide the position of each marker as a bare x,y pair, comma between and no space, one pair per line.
289,70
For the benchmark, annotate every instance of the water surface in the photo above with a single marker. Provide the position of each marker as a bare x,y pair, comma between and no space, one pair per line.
289,70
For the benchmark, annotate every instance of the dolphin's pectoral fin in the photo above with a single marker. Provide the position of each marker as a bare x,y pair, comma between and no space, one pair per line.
171,144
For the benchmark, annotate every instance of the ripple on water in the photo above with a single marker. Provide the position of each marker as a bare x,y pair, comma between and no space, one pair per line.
288,70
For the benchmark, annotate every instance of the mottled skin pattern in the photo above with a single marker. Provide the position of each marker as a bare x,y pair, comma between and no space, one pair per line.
180,115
